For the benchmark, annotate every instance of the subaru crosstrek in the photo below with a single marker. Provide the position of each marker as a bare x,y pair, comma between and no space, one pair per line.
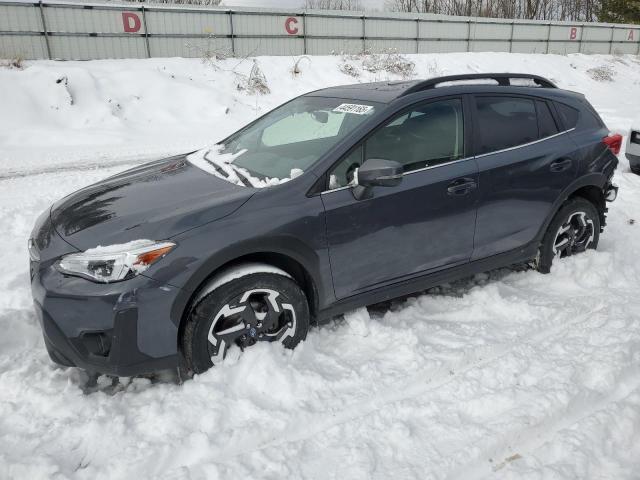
339,198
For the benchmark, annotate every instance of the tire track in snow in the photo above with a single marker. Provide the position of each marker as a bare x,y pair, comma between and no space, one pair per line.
71,167
410,387
515,444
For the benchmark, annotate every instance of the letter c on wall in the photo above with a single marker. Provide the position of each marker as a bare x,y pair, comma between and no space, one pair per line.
290,25
131,22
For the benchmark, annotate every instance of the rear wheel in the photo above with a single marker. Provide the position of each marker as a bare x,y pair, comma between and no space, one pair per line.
260,307
574,229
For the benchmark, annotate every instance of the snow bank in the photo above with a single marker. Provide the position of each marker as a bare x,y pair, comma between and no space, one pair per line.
504,375
132,110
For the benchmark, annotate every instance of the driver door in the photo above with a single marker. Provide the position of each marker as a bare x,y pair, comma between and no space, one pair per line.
424,224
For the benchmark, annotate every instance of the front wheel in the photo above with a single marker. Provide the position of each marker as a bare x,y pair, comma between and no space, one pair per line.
260,307
574,229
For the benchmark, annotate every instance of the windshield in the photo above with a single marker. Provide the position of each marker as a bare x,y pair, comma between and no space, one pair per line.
285,142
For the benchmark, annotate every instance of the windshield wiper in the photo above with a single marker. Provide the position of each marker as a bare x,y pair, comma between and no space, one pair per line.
220,168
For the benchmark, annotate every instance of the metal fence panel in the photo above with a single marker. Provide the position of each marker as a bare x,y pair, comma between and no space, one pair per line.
563,48
14,18
73,20
595,47
189,47
185,23
626,34
22,46
391,28
330,46
622,48
530,32
529,47
490,31
454,30
442,46
246,24
84,31
565,32
600,34
249,47
96,47
399,46
333,26
490,46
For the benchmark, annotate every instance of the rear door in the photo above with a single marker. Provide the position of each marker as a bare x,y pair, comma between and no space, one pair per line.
425,223
525,161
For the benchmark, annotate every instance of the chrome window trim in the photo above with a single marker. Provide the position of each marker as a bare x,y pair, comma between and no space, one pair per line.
466,158
524,144
407,173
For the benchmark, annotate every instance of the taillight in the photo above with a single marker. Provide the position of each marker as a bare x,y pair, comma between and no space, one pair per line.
614,142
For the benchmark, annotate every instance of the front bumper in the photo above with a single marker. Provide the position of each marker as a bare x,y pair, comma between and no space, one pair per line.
121,329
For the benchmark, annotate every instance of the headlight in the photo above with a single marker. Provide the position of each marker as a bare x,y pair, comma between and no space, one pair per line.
115,262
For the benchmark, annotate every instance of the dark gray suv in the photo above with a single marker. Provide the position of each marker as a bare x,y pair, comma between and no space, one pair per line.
339,198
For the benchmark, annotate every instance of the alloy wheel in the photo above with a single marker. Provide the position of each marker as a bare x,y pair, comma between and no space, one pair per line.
574,236
258,315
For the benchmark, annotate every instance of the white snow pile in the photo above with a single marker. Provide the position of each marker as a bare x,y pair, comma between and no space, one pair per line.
510,374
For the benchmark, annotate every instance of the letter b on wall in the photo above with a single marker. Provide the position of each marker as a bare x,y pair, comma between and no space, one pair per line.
131,22
573,33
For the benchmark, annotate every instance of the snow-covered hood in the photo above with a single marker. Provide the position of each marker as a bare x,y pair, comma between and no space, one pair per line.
157,200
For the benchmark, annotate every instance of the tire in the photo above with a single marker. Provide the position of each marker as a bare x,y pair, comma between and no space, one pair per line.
574,229
256,307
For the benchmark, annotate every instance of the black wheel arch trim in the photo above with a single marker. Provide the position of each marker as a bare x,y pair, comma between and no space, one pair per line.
597,179
272,251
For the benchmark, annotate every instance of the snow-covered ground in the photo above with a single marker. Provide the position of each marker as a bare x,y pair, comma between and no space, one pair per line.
506,375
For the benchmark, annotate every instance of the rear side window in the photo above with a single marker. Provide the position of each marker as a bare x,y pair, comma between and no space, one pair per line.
569,115
546,124
505,122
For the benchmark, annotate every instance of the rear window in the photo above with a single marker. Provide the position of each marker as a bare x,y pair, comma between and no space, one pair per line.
505,122
569,115
546,123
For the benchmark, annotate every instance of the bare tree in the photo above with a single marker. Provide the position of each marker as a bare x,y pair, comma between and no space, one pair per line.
575,10
334,4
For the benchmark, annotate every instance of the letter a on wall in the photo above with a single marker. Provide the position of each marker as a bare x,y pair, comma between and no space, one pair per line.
630,36
131,22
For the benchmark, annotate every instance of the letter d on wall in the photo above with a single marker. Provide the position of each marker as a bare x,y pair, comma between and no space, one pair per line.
131,22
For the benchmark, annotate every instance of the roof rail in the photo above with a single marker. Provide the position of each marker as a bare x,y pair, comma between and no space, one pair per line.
503,79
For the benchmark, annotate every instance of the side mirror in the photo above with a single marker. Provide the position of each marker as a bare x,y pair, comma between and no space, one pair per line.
376,172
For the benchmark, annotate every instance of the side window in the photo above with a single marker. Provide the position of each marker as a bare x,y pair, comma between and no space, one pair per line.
301,127
425,136
343,174
569,115
505,122
546,124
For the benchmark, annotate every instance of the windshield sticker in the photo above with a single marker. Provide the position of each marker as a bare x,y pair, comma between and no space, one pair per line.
353,108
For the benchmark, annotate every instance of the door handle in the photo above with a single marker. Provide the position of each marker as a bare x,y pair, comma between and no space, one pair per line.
561,165
461,186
